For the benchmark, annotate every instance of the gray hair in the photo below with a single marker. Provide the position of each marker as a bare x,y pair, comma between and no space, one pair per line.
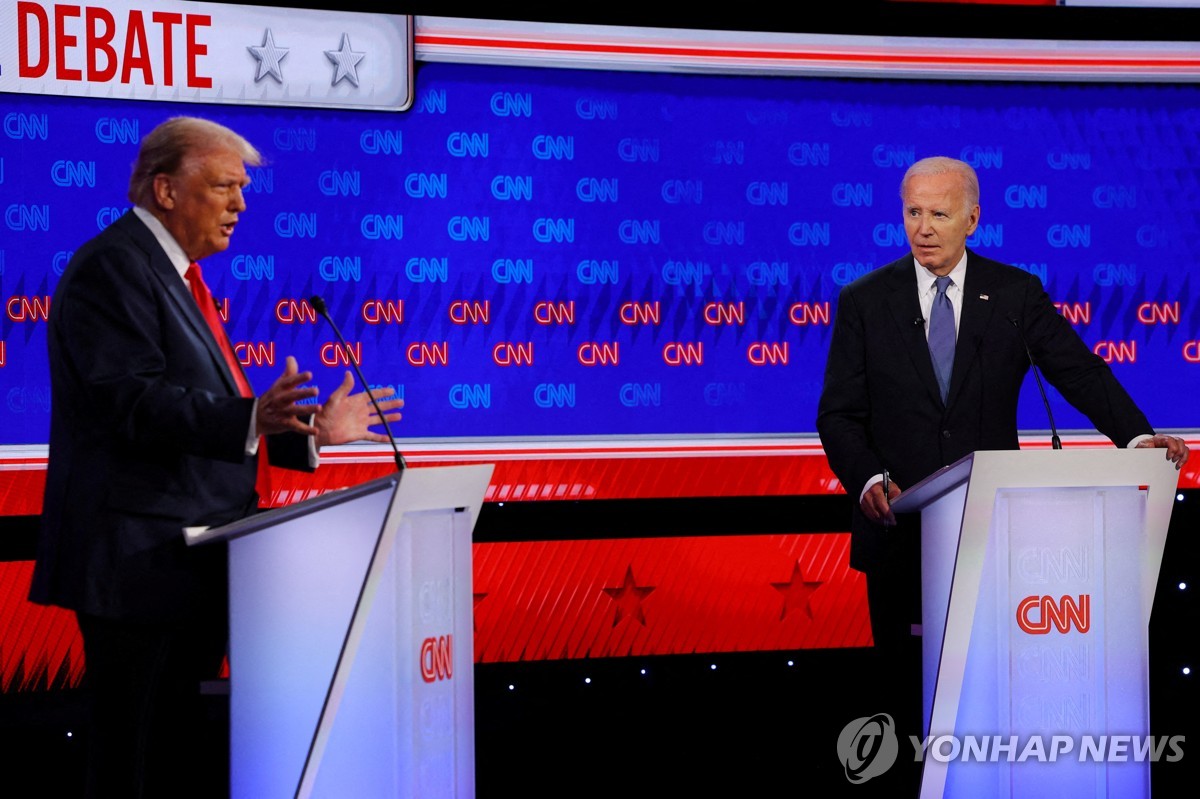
941,165
164,149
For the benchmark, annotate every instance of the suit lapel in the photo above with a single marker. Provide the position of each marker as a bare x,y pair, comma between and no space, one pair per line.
177,291
979,299
906,313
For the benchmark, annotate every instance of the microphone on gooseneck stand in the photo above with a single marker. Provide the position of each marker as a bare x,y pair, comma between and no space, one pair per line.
1054,441
318,305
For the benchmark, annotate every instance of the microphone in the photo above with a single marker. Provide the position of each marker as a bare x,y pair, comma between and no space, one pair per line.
1054,440
920,320
318,305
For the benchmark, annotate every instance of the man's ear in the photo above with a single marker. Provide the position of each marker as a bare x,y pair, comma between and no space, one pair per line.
974,220
164,191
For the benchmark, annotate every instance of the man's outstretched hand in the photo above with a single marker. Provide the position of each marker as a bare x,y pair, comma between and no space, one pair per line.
346,417
278,411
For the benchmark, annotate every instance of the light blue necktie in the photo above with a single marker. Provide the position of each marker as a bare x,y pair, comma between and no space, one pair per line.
941,334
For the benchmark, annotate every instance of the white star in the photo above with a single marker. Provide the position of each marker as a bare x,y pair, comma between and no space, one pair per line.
269,58
346,60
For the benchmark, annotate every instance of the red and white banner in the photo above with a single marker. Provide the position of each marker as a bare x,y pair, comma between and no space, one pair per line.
206,52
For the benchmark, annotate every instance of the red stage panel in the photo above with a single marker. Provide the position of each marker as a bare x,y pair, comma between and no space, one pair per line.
553,600
40,647
570,599
538,473
566,472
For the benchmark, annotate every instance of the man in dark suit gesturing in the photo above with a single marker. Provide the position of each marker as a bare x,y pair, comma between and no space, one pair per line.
925,366
154,428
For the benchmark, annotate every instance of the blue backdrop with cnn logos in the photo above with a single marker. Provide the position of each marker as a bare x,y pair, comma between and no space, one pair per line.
544,252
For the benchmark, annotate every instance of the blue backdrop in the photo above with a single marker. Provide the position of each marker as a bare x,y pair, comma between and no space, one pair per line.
538,252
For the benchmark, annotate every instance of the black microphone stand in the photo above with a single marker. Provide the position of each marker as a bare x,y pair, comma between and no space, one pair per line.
318,305
1055,442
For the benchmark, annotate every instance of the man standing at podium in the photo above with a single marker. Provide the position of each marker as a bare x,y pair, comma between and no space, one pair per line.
925,366
154,428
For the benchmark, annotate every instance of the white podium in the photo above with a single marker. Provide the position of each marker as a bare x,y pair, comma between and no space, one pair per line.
1038,576
351,646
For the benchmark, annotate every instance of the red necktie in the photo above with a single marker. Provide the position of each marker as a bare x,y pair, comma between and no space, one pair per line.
208,309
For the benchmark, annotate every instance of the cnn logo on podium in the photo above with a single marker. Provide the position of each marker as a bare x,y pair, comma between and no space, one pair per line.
1037,614
437,660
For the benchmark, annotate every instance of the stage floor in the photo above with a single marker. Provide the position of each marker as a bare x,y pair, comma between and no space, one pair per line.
735,725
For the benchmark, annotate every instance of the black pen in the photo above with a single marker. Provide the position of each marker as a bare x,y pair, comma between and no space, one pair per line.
887,487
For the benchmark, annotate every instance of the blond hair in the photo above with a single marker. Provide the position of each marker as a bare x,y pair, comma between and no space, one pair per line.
941,165
164,150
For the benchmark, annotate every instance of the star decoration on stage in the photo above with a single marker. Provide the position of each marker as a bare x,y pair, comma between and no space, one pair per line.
797,592
270,58
346,61
629,598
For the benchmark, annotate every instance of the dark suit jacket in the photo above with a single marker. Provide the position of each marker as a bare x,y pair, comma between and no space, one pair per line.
880,405
147,436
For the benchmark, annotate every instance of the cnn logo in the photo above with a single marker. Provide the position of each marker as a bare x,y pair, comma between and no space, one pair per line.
437,662
1037,614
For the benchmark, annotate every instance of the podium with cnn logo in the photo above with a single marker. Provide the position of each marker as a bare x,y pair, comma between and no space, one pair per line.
351,647
1038,576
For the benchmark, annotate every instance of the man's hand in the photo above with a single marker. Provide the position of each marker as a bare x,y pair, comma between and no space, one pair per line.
346,417
878,508
277,408
1177,450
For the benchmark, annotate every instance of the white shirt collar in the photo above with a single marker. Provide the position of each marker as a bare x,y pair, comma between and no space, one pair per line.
925,278
174,252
